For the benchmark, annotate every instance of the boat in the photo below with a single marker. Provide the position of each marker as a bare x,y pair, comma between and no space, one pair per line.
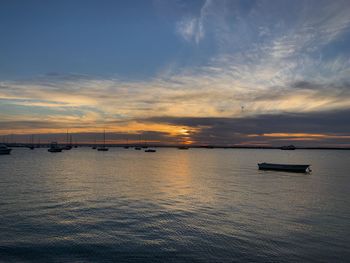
150,151
127,144
4,149
31,146
68,146
103,148
288,147
54,148
94,145
183,147
297,168
137,148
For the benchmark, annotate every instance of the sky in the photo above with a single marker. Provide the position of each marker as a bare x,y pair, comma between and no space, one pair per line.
266,73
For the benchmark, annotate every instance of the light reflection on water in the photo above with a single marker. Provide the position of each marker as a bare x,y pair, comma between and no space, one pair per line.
198,205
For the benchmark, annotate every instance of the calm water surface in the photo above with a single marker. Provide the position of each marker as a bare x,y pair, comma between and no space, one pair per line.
198,205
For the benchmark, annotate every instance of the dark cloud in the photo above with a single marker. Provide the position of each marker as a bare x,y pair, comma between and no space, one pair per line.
238,130
335,125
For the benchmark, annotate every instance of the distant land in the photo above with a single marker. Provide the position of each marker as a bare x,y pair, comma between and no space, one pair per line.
45,145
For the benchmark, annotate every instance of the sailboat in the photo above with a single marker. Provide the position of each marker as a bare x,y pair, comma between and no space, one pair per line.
103,148
54,148
127,144
68,146
31,146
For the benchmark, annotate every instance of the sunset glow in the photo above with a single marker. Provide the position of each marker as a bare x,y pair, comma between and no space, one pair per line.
204,70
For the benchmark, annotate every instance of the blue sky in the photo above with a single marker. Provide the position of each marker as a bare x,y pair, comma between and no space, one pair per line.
142,66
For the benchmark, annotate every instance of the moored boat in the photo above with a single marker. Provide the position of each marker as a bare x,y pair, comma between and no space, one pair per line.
296,168
67,147
288,147
4,149
183,147
54,148
103,148
150,151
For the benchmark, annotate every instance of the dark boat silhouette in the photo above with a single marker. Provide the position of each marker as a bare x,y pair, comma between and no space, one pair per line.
296,168
150,151
103,148
183,147
68,146
4,149
288,147
54,148
31,146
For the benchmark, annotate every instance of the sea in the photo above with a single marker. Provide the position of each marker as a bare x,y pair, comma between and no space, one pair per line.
196,205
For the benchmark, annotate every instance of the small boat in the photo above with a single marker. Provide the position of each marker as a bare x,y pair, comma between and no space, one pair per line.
127,144
150,151
67,147
137,148
31,146
183,147
4,149
94,147
296,168
54,148
288,147
103,148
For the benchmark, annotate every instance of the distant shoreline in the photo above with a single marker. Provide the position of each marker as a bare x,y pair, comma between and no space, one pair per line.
20,145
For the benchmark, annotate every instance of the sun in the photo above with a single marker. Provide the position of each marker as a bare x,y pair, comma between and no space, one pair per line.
184,131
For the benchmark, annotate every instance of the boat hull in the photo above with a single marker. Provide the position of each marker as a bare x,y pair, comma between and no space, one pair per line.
5,151
295,168
67,148
54,150
102,149
183,148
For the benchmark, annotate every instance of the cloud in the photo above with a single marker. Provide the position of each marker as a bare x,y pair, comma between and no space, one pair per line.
329,127
191,28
